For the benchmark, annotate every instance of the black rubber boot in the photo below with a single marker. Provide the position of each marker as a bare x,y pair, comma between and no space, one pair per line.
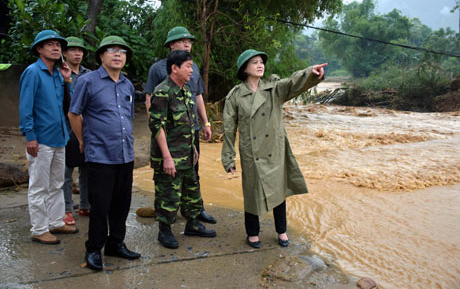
195,228
166,237
205,217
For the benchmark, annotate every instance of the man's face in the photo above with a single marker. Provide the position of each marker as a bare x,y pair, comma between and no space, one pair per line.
181,44
184,72
50,50
73,55
114,57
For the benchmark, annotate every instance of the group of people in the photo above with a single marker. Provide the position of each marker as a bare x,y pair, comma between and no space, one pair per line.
72,117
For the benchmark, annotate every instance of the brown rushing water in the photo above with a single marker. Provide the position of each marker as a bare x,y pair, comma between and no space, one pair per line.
384,197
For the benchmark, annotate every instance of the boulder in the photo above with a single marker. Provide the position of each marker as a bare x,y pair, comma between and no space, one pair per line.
11,175
366,283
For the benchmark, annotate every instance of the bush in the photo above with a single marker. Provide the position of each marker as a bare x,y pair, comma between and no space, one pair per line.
415,87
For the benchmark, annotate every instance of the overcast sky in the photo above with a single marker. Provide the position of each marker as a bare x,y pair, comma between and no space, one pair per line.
433,13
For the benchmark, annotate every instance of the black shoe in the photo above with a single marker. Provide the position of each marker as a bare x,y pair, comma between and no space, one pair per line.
120,250
255,245
94,260
166,237
283,243
195,228
205,217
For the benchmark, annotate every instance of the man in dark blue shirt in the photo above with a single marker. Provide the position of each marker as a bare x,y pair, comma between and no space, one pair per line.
41,120
100,114
179,38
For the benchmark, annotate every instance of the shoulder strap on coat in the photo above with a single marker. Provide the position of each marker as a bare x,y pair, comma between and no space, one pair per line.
233,90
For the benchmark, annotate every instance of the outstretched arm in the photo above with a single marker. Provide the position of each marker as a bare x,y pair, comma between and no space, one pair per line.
299,82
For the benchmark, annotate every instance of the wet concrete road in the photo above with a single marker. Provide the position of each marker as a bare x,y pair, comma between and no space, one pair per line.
225,261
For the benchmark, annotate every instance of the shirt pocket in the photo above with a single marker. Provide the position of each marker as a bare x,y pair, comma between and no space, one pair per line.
180,113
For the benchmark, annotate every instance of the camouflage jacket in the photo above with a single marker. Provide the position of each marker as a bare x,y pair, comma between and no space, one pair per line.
172,110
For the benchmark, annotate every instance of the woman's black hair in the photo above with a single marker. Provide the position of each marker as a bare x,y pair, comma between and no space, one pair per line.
177,57
241,75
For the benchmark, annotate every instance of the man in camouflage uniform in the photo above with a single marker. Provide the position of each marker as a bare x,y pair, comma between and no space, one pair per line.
173,153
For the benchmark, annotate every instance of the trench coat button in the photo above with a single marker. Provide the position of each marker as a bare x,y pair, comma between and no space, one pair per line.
266,135
257,159
263,113
254,138
270,155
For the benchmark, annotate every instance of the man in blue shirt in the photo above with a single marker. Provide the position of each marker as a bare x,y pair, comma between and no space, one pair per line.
100,113
41,120
179,38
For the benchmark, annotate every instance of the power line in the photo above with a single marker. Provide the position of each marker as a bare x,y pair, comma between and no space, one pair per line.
367,38
349,35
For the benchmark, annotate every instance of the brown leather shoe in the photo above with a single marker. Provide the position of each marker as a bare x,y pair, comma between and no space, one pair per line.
66,229
46,238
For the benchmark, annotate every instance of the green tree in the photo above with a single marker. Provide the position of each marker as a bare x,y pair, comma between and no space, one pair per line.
132,21
361,56
129,19
30,17
308,49
225,28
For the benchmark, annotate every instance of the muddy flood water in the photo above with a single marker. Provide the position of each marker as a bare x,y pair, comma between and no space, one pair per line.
384,197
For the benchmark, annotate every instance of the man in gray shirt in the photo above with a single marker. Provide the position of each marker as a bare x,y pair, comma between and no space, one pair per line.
179,38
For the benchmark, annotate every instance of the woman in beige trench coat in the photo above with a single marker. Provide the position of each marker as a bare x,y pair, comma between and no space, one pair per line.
269,170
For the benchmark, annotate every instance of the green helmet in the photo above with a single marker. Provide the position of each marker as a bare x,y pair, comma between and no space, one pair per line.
73,41
109,41
176,33
47,35
244,57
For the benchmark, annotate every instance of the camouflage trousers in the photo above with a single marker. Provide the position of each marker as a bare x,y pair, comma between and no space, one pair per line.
170,193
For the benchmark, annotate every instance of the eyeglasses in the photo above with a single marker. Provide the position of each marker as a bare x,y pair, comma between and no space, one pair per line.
116,50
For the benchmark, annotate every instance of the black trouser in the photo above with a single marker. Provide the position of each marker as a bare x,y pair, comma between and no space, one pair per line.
109,193
197,145
251,222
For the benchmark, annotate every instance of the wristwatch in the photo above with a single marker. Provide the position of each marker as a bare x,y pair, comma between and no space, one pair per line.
207,124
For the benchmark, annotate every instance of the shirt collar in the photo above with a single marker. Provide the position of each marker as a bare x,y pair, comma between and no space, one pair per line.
174,87
263,85
43,66
81,70
103,74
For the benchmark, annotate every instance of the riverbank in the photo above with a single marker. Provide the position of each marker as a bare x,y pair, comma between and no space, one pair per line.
383,195
221,262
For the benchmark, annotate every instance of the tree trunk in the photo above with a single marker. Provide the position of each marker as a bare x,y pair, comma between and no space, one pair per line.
207,34
94,8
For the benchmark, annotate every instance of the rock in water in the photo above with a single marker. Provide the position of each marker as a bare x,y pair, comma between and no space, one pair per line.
366,283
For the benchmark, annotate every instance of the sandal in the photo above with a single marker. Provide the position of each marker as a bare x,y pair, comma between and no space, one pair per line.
83,212
68,219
